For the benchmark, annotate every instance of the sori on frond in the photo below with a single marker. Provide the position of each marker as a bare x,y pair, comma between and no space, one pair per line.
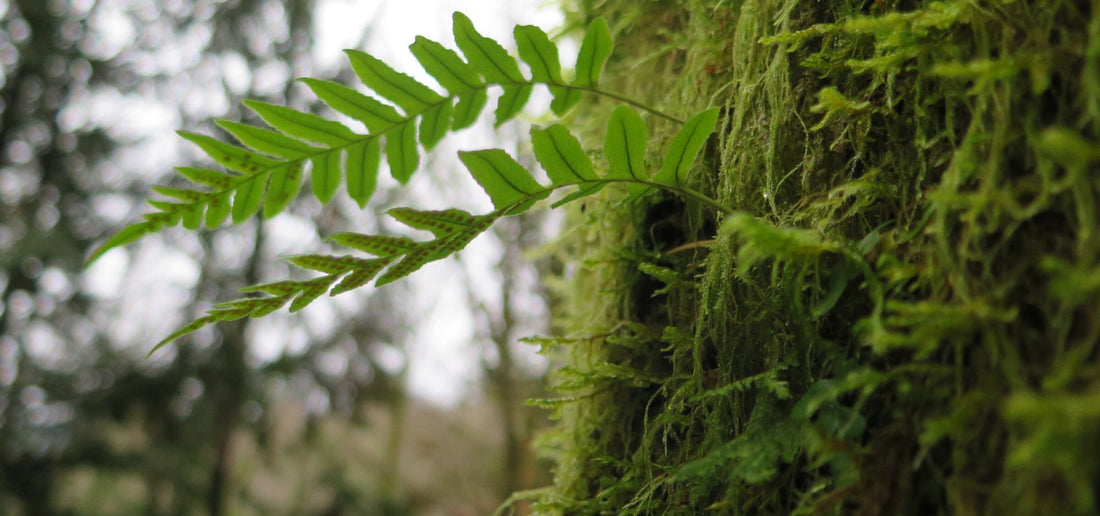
265,172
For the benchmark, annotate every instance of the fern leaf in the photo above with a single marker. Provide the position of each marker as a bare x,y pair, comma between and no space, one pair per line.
239,308
217,209
406,92
377,245
685,147
229,156
442,247
564,99
248,197
311,290
282,292
362,170
401,154
182,194
485,55
539,53
267,172
489,58
305,126
444,65
282,188
509,185
409,264
266,141
624,147
440,223
468,108
595,49
204,176
325,176
511,102
193,216
171,208
434,125
375,115
366,271
192,327
561,155
536,49
276,288
128,235
355,271
249,307
325,263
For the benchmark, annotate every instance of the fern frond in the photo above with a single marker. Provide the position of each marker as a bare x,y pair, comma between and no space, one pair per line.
453,229
283,187
541,56
267,141
624,147
595,49
404,91
303,126
512,190
509,185
685,146
362,170
374,115
400,115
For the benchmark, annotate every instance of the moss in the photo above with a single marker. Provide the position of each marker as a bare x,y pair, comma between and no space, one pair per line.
902,317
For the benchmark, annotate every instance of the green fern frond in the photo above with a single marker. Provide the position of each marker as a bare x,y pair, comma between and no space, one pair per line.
265,172
454,229
512,190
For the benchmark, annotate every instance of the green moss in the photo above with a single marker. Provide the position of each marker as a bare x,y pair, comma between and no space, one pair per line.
903,317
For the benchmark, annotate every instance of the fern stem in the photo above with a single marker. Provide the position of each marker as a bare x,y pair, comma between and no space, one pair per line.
679,190
624,100
596,91
697,196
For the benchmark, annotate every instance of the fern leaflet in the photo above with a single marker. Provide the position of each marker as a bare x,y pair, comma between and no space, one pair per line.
266,171
512,190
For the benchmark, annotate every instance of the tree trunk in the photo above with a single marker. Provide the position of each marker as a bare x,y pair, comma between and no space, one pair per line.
902,315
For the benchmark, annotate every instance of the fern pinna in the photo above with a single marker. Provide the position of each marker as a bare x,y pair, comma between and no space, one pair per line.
265,173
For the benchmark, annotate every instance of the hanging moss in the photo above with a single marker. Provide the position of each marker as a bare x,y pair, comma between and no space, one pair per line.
904,316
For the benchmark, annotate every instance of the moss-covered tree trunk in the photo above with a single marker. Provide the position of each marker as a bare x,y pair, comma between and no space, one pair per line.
904,316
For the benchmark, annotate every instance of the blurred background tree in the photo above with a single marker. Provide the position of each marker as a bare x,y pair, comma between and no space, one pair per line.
293,415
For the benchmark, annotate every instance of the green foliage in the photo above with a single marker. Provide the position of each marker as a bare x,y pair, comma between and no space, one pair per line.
898,318
508,184
269,171
904,297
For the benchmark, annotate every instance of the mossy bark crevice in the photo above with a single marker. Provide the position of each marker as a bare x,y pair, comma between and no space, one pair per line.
902,316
